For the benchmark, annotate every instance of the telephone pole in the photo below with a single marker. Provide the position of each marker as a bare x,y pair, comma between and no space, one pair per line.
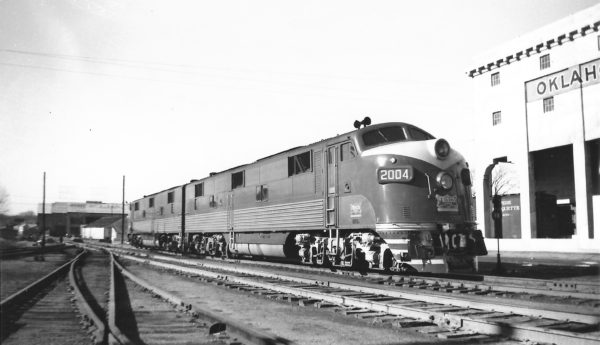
44,213
123,213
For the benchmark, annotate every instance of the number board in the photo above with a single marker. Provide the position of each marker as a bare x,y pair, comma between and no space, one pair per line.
396,174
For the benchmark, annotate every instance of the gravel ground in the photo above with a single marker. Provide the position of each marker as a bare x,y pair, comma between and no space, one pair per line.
302,325
17,273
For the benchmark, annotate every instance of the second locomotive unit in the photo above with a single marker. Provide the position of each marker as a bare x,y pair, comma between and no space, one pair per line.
387,196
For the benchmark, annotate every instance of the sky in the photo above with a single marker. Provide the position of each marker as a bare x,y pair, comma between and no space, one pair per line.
163,92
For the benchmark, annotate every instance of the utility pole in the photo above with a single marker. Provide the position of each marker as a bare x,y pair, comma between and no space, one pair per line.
44,213
123,213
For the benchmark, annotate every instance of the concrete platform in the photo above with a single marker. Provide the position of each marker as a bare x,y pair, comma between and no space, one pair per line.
546,265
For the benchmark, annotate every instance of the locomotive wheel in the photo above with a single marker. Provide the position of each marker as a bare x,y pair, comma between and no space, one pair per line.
359,263
313,255
211,248
388,260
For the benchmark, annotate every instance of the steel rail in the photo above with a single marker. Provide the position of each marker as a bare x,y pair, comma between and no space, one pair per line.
249,333
96,320
548,287
498,286
116,335
33,288
497,306
442,318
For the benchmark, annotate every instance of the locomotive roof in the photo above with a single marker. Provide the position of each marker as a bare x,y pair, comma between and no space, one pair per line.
334,138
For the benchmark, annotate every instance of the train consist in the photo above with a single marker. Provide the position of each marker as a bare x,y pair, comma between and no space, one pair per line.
387,196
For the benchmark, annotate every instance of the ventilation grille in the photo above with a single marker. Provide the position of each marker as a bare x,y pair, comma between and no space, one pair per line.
406,213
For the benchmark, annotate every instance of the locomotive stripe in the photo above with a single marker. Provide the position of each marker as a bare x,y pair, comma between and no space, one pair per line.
395,228
421,150
398,246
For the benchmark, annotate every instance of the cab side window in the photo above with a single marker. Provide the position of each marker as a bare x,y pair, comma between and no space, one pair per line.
348,152
417,134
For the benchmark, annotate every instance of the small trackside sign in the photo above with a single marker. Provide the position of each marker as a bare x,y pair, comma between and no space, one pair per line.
401,174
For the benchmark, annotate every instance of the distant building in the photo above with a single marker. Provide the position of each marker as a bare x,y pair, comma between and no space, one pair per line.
536,102
66,218
106,229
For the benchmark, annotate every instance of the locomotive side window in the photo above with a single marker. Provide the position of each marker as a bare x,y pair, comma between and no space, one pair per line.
348,152
417,134
237,179
383,135
299,163
199,190
170,197
262,193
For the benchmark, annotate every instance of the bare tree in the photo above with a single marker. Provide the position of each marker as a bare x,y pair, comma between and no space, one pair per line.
3,200
504,180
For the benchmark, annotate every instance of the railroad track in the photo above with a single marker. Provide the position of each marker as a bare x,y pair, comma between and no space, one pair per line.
45,309
137,318
88,300
458,315
580,292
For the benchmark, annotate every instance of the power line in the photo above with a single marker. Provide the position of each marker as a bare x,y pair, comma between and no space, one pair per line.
186,67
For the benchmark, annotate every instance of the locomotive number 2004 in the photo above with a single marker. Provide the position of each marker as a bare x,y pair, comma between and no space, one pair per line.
390,175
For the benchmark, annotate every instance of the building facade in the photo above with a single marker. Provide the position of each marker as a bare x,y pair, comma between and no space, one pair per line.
66,218
537,115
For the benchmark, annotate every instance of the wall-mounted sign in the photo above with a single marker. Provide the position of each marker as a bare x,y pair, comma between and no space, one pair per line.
563,81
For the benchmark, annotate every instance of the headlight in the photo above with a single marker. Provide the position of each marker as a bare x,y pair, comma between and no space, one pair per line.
442,148
445,180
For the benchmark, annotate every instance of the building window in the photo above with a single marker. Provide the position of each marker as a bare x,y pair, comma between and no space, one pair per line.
199,190
170,197
151,202
262,193
237,179
299,163
496,118
348,152
162,210
137,206
545,61
144,213
548,104
495,78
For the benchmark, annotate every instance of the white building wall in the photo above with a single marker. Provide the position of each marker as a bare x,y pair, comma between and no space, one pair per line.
525,128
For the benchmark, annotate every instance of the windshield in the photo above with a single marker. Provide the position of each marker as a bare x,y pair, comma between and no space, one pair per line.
383,135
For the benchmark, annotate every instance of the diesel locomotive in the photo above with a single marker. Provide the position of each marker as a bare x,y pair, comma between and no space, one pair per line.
388,196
